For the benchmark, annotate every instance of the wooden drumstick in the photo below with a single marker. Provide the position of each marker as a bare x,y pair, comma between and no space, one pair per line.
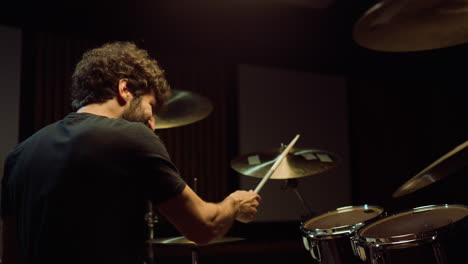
276,164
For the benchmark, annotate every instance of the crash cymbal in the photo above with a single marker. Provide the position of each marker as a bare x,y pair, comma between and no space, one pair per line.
299,162
413,25
450,163
183,108
181,240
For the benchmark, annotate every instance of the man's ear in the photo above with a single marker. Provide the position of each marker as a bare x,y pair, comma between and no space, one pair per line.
124,95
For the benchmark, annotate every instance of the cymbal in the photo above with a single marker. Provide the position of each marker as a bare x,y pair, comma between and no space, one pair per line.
299,162
450,163
181,240
183,108
413,25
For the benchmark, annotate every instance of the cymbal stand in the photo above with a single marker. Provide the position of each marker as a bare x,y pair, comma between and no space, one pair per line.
293,183
195,253
307,212
151,220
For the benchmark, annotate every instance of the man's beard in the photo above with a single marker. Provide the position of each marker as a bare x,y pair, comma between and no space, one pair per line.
135,113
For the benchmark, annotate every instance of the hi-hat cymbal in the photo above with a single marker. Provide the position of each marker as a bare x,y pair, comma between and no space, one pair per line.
181,240
450,163
413,25
183,108
299,162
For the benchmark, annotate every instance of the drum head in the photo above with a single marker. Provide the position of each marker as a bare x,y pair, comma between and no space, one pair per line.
421,220
342,219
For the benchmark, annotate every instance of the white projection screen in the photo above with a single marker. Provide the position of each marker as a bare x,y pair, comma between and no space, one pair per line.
276,104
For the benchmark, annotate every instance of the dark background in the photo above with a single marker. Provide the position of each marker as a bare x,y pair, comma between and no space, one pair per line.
405,111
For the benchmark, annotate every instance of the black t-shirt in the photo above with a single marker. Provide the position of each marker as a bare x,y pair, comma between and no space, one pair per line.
79,189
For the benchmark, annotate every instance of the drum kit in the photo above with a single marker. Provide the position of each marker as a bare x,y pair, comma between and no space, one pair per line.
368,234
364,233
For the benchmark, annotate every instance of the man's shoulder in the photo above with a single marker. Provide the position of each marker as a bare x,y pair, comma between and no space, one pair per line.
135,130
31,139
104,126
132,133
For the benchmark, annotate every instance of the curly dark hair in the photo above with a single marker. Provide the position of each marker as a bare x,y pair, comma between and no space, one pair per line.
96,76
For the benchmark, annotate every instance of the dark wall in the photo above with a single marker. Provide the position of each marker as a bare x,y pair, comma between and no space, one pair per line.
407,110
397,131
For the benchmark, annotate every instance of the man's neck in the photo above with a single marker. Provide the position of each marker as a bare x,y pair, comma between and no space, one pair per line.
110,108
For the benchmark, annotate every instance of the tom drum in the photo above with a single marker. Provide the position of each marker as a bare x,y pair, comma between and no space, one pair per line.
428,234
327,236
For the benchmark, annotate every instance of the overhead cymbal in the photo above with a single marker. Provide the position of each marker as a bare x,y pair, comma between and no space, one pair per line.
181,240
299,162
183,108
450,163
413,25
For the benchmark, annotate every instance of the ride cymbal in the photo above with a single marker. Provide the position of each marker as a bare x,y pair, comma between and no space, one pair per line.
450,163
181,240
183,108
413,25
299,162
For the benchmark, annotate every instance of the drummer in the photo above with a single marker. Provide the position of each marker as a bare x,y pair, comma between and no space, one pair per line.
76,190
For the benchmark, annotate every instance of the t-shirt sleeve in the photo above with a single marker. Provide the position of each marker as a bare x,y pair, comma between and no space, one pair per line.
163,181
161,178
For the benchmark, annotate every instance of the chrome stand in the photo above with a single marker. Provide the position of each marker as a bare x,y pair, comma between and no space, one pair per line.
307,212
195,252
151,220
195,255
293,183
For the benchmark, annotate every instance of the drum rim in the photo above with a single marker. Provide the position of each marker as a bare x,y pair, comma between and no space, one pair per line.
338,230
412,238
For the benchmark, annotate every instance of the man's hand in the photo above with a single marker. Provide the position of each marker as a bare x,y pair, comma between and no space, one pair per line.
248,203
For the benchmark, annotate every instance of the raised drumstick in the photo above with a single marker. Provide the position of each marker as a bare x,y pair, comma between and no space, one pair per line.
276,164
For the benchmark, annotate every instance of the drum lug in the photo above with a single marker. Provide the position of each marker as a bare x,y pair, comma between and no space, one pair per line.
354,246
376,254
312,246
315,251
306,243
439,252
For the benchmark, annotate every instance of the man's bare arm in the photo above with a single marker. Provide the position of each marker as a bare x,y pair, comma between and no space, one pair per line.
202,221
